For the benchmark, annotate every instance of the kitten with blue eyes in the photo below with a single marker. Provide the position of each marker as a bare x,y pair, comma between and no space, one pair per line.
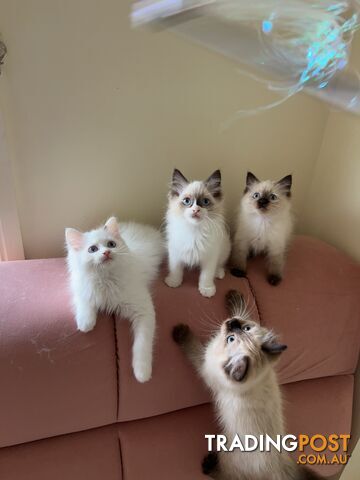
196,232
238,366
264,225
111,269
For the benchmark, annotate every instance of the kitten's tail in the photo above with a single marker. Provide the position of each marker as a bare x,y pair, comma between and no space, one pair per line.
147,244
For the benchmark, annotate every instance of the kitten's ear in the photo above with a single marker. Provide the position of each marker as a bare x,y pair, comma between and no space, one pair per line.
213,184
74,238
285,184
235,303
271,346
112,227
250,179
178,183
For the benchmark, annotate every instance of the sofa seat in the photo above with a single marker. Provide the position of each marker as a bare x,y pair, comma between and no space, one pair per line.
56,381
168,446
317,315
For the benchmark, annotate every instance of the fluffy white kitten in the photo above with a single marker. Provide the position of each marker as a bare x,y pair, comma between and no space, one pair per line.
196,231
111,268
264,225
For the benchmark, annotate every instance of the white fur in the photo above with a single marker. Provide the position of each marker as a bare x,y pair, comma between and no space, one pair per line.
192,242
118,286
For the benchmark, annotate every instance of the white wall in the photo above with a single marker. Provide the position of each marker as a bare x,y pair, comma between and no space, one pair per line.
333,210
102,114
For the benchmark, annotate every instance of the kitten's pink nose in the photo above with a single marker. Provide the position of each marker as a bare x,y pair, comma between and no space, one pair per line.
107,253
196,209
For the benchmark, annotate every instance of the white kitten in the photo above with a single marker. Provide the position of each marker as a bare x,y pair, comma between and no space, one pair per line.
264,225
110,270
196,231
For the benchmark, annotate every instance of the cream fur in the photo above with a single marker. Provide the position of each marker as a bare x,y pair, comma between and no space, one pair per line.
251,409
247,400
261,231
119,285
196,242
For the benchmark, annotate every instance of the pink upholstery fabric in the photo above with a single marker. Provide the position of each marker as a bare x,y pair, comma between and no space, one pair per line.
322,406
174,384
91,455
53,379
170,446
316,309
179,436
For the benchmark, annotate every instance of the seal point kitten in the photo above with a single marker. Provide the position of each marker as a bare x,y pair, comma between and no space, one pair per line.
237,364
111,269
196,232
264,225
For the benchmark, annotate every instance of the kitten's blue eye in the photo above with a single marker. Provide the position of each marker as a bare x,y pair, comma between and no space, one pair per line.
111,244
205,202
230,339
187,201
93,249
246,328
256,195
273,197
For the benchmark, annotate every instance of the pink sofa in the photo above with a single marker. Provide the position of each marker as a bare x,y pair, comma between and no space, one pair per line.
70,408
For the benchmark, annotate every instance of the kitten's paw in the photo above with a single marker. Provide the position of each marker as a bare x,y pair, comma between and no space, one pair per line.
180,333
220,273
209,463
208,291
85,325
237,272
274,279
173,282
142,371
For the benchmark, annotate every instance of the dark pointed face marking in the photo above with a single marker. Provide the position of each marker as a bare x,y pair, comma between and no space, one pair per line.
273,348
263,202
202,201
233,325
286,183
178,183
213,184
239,370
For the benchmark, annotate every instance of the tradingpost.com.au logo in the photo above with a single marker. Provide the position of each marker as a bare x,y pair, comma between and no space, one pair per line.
289,443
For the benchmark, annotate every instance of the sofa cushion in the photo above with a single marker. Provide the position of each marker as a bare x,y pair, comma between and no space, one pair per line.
173,445
174,384
170,446
316,310
53,379
91,455
44,359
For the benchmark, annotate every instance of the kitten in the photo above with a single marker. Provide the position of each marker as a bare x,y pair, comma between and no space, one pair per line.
264,225
238,366
110,270
196,231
